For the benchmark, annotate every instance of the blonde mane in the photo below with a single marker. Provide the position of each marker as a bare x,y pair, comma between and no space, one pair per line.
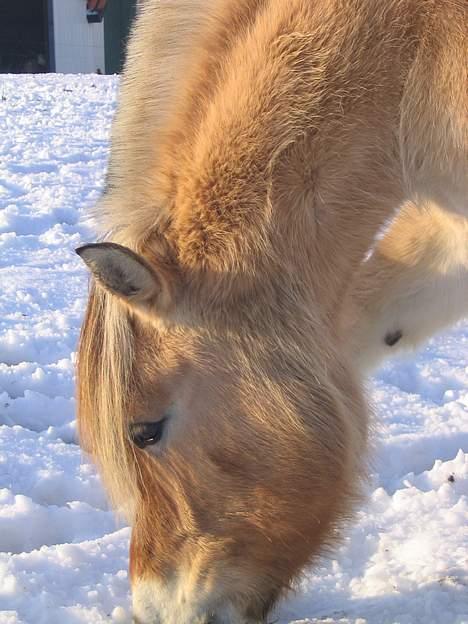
105,370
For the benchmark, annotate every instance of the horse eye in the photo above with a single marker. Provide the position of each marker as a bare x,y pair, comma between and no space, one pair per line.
146,434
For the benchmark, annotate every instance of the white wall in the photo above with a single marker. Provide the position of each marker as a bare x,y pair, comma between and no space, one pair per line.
79,46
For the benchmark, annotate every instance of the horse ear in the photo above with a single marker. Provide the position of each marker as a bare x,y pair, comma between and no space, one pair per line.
127,275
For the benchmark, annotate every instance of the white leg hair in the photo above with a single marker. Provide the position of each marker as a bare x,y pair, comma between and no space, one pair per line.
413,285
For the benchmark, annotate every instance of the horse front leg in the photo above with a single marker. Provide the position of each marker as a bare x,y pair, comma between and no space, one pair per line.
413,285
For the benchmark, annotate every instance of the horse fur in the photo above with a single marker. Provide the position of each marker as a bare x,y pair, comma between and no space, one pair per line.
293,176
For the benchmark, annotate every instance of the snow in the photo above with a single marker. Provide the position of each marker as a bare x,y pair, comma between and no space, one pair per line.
63,556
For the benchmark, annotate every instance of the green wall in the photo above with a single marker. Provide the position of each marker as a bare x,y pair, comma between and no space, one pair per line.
118,18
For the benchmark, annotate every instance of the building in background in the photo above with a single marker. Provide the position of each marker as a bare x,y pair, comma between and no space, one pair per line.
65,36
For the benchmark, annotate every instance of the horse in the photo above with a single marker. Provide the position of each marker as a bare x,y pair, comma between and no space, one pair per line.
285,207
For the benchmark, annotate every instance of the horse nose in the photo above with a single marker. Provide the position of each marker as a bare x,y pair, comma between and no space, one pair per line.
212,619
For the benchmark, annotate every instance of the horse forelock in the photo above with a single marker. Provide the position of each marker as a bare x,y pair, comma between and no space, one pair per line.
105,371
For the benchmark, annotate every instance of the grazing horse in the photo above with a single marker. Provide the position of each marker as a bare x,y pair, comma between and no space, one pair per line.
284,207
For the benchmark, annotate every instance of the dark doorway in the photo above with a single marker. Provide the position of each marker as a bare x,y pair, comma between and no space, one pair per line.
118,18
25,28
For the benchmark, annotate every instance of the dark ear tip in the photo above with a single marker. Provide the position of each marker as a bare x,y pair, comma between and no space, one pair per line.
84,248
86,252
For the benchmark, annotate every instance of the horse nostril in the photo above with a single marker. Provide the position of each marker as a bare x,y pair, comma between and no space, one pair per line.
146,434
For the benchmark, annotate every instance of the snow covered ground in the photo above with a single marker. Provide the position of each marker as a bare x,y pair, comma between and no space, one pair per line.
63,556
